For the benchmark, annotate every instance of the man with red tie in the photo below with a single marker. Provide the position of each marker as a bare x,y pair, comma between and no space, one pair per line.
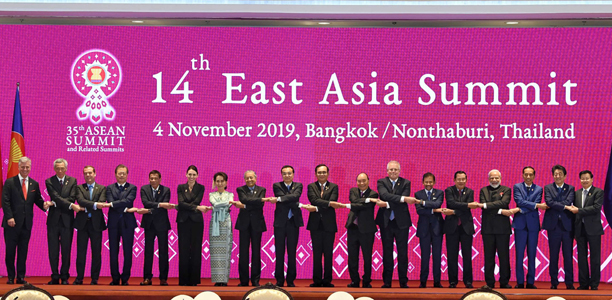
19,195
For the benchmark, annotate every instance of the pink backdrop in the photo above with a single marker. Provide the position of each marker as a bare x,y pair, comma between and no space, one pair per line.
41,58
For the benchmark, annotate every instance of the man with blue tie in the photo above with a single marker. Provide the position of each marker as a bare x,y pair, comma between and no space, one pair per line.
526,224
121,224
429,228
287,223
393,219
90,225
558,223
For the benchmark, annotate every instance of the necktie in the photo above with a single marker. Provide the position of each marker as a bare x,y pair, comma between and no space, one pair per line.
25,189
460,193
154,195
90,188
428,195
322,191
121,188
392,216
290,215
584,196
393,185
61,184
528,191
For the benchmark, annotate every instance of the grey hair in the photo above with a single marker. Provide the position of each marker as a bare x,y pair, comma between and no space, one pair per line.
250,171
494,170
394,162
59,161
24,159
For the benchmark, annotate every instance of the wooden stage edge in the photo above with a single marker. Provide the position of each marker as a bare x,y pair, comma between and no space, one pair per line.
302,291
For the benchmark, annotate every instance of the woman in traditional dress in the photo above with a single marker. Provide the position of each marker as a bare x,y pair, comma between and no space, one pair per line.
221,239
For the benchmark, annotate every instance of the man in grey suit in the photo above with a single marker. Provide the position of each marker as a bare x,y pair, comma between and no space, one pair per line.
60,219
588,230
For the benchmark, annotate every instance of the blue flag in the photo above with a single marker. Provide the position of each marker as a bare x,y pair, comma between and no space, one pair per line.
607,205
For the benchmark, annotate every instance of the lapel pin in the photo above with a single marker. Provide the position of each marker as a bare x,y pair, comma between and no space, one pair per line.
185,191
589,194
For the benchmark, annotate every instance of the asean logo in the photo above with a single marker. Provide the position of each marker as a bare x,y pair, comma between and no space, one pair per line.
96,75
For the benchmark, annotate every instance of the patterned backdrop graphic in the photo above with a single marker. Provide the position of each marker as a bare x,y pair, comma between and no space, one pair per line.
41,57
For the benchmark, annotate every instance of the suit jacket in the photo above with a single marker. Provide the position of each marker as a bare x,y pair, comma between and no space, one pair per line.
120,201
188,203
15,206
529,217
428,220
290,200
557,203
589,212
459,203
393,197
496,199
363,212
326,214
158,217
97,216
63,196
252,214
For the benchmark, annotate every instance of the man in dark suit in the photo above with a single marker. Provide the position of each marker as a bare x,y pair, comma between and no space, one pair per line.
322,225
588,230
19,195
287,223
90,225
361,228
558,223
121,224
459,228
394,221
496,229
251,224
429,228
156,201
526,224
60,218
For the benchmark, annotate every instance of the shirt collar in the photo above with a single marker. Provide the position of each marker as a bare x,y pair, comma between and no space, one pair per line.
157,189
123,185
93,184
528,186
60,179
21,178
588,188
560,187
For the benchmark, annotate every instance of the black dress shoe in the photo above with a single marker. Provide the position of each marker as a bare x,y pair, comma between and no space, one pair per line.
314,284
290,284
327,284
422,285
385,286
367,286
531,286
594,288
223,283
353,285
583,287
505,286
124,283
114,283
53,282
469,286
216,284
146,282
569,287
553,286
77,282
10,281
519,286
243,284
438,285
21,281
94,282
452,286
163,282
256,283
404,286
65,282
279,284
